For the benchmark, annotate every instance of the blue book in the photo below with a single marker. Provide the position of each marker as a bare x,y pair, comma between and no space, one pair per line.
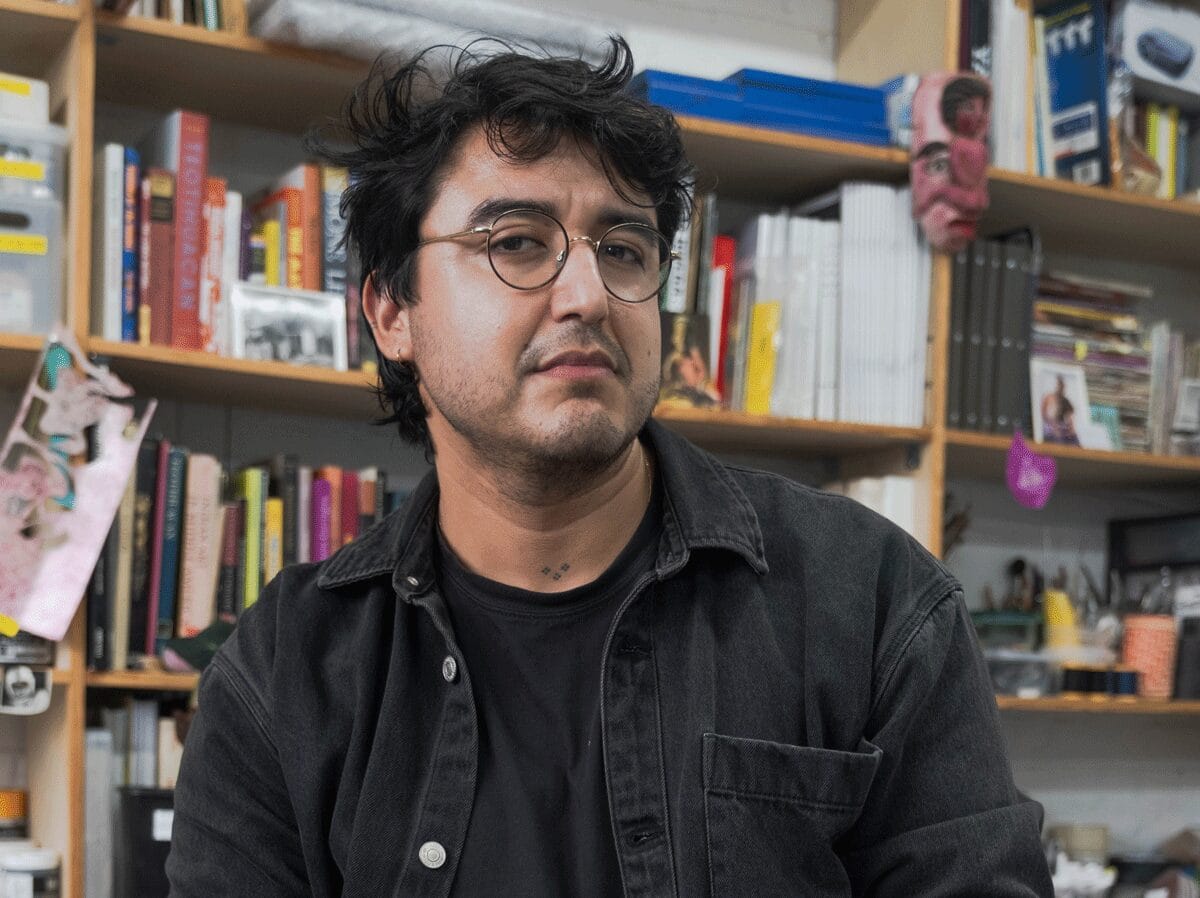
130,240
172,527
1077,69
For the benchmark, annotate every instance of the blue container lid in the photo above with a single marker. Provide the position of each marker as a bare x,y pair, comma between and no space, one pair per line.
842,90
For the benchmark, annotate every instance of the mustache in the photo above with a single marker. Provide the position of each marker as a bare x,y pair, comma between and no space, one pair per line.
575,337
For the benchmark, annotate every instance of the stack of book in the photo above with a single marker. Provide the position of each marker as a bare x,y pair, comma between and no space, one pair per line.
173,243
791,315
191,544
211,15
1091,327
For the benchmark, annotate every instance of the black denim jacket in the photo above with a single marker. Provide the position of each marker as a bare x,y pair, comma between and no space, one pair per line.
793,704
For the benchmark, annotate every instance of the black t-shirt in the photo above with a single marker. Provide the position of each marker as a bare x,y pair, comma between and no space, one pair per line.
540,825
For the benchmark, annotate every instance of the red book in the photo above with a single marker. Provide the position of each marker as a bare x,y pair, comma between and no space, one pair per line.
332,475
724,255
180,144
306,178
157,257
321,502
210,268
156,544
349,508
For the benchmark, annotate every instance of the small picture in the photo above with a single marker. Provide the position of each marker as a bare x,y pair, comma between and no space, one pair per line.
1060,402
297,326
686,376
26,690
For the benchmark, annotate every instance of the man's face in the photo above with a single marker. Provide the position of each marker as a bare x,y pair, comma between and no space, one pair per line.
534,379
949,165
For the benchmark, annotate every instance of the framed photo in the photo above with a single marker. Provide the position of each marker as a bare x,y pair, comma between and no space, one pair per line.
1061,412
297,326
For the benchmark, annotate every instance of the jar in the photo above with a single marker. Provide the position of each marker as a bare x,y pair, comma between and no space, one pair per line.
31,874
13,821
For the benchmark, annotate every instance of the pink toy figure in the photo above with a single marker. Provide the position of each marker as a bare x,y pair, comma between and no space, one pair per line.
950,116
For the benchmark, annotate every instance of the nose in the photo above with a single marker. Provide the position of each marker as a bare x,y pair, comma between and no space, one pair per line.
579,291
968,162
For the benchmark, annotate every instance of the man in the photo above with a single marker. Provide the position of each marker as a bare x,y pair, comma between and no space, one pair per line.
586,659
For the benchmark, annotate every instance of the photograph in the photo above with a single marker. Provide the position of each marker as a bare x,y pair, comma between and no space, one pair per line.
686,376
1060,403
297,326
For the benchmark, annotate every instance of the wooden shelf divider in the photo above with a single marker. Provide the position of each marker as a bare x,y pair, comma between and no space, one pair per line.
158,681
1098,705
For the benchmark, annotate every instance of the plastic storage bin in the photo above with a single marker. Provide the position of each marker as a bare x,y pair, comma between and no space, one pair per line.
31,159
31,264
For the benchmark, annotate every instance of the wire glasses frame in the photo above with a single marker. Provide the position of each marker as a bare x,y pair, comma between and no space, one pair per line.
527,249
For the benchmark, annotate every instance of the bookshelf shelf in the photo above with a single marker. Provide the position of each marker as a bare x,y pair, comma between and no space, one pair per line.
203,377
740,430
161,65
763,165
60,677
20,353
1099,705
158,681
33,33
982,455
1098,221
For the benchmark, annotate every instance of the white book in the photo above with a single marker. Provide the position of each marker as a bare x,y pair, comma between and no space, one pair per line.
750,280
98,813
230,269
1041,100
899,502
116,721
716,311
675,298
304,514
143,742
170,753
108,211
829,291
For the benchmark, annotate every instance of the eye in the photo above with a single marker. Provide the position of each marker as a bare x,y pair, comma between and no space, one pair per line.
938,165
516,243
623,254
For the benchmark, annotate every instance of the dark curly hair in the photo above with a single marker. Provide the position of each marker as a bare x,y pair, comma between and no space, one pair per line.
402,124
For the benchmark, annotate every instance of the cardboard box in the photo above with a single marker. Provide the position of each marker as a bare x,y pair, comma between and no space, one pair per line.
1161,45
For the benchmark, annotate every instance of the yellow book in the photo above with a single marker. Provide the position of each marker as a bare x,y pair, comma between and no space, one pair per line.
273,540
251,487
1152,115
1171,152
271,242
763,346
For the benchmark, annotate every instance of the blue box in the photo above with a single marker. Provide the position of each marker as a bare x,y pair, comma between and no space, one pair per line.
690,96
836,100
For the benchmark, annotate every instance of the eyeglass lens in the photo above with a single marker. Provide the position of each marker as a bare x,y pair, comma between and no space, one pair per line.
527,250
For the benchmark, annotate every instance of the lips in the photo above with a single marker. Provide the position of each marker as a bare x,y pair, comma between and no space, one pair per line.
578,359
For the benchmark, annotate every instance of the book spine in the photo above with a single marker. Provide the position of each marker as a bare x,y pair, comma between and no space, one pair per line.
367,478
118,626
271,253
230,272
172,530
303,514
190,174
292,240
157,262
228,600
724,256
130,238
106,287
273,539
987,363
322,511
349,507
333,276
212,262
250,489
289,492
244,253
154,587
143,537
201,542
311,214
760,360
958,301
98,601
380,496
974,334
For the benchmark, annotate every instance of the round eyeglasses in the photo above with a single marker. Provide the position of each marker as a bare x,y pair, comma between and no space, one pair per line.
528,249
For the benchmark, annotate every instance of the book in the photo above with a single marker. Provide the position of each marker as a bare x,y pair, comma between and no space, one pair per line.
322,512
97,812
108,205
130,240
179,143
686,375
202,544
172,530
212,263
304,221
368,482
273,539
143,741
169,754
724,255
303,514
271,254
989,323
334,181
119,607
286,208
252,488
231,589
349,509
332,475
760,360
144,571
156,263
959,282
231,264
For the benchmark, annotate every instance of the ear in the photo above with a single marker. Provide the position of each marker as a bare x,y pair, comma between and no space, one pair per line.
389,322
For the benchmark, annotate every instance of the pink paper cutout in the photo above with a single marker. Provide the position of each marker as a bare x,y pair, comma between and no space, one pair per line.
1030,476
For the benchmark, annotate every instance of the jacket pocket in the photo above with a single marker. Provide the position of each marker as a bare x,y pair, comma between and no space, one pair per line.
773,812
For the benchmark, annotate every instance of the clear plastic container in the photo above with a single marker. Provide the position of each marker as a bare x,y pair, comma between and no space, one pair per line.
32,159
31,874
24,99
31,264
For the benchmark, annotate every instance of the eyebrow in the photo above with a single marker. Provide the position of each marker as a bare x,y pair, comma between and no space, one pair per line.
489,210
931,148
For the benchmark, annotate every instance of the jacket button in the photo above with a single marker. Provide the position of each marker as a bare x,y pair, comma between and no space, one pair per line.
432,855
412,581
449,669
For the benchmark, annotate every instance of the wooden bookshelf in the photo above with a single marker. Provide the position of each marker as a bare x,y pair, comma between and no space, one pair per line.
718,430
1097,221
983,455
205,377
1098,705
762,165
155,681
160,65
33,33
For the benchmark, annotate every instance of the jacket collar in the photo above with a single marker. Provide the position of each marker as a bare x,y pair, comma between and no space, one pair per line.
703,508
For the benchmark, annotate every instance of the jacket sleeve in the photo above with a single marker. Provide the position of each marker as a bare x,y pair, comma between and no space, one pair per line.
943,817
234,831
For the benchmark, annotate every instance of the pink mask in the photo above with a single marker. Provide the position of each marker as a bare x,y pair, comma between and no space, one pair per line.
949,157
